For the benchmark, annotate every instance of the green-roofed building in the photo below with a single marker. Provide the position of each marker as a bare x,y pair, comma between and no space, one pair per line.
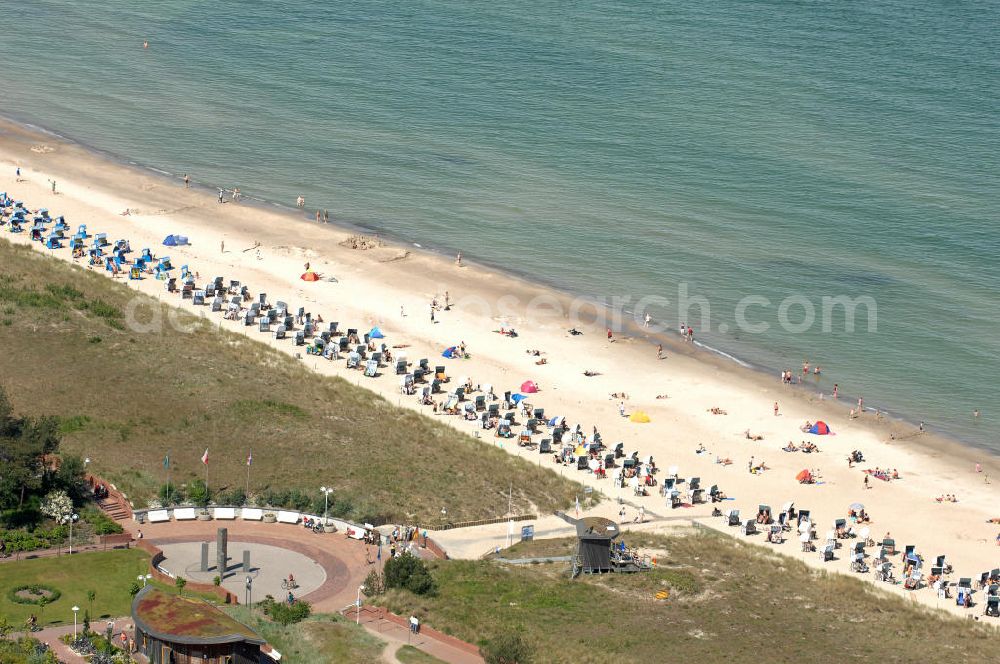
172,629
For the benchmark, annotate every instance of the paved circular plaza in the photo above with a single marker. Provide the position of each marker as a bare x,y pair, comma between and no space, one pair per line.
269,566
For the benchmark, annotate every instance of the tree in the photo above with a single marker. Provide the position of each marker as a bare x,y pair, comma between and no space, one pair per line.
180,582
409,573
58,506
24,443
70,477
134,589
507,649
91,596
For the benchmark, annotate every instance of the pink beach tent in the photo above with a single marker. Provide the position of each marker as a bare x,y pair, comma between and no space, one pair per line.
529,387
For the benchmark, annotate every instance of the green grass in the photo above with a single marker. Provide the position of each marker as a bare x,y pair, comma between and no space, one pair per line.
728,602
320,639
410,655
109,573
137,395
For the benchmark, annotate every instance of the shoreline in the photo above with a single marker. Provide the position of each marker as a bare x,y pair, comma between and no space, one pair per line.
372,286
716,357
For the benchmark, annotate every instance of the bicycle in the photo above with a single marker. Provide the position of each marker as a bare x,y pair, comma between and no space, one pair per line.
288,585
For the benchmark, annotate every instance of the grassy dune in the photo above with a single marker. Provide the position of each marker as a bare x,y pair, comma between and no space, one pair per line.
126,398
728,602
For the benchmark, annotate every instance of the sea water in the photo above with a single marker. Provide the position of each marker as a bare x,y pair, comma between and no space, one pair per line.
614,148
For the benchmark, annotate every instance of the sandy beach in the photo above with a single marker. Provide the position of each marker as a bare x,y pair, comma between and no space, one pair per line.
392,286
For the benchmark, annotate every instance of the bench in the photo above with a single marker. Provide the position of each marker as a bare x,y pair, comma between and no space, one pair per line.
158,516
287,517
251,514
224,512
184,514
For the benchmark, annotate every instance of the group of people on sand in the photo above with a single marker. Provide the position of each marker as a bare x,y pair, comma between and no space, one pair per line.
803,446
947,498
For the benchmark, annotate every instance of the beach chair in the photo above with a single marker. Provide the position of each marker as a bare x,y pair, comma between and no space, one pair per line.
619,450
187,292
264,325
288,322
343,344
992,606
545,446
581,461
307,329
439,374
424,364
749,527
889,545
733,517
280,332
826,553
695,483
300,338
198,297
217,304
353,360
400,367
538,414
494,410
435,386
480,403
371,368
333,328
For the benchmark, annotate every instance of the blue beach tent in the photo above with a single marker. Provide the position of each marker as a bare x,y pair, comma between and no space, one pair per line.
450,353
517,398
376,334
175,241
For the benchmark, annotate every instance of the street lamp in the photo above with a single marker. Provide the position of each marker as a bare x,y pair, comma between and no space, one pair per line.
70,519
250,592
144,578
75,609
326,503
358,621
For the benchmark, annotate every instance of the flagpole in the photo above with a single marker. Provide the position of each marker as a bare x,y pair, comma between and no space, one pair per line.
249,462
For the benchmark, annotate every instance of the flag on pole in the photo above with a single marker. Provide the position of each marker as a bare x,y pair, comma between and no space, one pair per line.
250,458
204,457
577,500
166,462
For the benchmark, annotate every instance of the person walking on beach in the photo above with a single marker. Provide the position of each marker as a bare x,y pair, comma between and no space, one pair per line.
659,351
222,194
53,186
300,202
861,405
867,485
326,216
836,389
432,313
775,408
611,337
236,194
645,321
458,259
187,181
222,247
17,174
319,217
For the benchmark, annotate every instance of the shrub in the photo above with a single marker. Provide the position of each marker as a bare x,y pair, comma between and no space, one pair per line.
36,590
409,573
507,649
198,493
171,494
286,614
217,580
180,582
134,589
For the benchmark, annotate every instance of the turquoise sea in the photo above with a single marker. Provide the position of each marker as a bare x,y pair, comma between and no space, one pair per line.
610,148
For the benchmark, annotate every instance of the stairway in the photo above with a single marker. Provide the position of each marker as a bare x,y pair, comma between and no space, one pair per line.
113,509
